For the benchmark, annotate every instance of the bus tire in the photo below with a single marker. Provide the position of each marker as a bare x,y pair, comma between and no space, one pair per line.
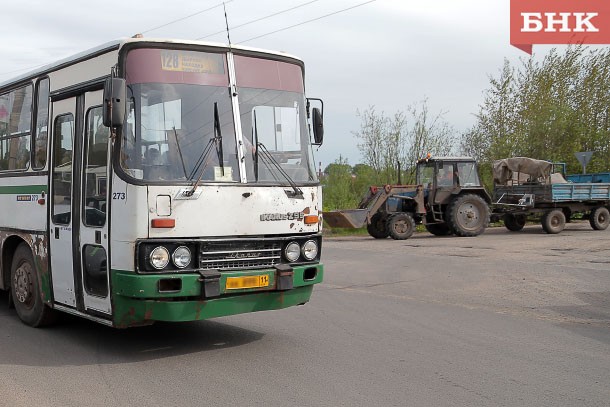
599,218
378,227
514,223
25,290
468,215
553,221
401,226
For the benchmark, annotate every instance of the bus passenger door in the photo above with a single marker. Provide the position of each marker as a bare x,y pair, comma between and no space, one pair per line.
93,246
61,205
78,210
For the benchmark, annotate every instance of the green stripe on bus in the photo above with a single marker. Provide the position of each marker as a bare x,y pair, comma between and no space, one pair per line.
23,189
143,286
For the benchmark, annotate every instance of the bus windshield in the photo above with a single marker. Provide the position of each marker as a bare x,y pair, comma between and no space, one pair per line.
180,124
273,120
171,135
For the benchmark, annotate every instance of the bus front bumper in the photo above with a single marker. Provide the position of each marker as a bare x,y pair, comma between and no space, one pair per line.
140,299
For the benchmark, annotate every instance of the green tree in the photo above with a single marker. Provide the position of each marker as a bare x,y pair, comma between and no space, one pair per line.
338,186
547,109
364,177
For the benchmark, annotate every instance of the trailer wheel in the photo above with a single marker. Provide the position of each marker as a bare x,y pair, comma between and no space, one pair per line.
378,227
401,226
468,215
599,218
553,221
25,290
438,229
514,223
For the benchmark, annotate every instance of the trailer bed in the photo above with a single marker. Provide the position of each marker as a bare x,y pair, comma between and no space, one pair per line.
552,193
579,192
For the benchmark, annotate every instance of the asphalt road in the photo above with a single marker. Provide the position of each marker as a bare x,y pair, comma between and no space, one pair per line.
504,319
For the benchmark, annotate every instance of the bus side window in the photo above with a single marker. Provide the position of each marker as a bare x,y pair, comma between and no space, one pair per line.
15,129
62,168
96,156
42,120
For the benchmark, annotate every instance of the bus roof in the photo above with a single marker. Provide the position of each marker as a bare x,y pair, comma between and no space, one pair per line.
119,43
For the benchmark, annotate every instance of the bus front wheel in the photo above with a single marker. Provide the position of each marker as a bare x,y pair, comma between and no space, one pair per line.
25,290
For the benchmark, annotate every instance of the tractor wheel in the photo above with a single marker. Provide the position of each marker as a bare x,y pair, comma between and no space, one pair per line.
438,229
378,227
401,226
599,218
468,215
553,221
25,290
514,223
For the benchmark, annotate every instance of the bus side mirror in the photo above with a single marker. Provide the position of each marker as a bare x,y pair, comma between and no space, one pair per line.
114,102
318,127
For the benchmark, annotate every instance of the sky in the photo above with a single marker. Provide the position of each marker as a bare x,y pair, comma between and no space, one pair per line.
389,54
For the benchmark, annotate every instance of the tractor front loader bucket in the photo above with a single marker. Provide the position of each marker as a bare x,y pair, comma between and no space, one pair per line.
348,218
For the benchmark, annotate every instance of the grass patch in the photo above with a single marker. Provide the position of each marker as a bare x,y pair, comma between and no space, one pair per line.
330,232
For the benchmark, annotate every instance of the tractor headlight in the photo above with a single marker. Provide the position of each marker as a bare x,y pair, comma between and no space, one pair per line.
310,250
181,257
159,257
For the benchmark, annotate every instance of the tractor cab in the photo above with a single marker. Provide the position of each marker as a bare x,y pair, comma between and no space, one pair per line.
442,177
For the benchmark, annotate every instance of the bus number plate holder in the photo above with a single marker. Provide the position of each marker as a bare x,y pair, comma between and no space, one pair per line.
244,282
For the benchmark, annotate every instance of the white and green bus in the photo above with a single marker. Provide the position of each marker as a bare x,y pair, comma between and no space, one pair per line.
159,180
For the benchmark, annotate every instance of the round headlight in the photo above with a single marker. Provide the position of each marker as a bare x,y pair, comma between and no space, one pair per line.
159,257
310,249
181,257
292,251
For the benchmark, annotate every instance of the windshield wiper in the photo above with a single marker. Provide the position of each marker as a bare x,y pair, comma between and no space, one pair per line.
271,163
179,151
255,139
202,162
218,138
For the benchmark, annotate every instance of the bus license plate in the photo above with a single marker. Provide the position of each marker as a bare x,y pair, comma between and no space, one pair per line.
238,283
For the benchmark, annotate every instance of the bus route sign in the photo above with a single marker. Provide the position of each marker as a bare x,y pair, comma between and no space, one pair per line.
187,61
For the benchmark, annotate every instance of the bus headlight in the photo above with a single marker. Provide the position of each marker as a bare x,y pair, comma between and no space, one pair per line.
292,251
181,257
159,257
310,250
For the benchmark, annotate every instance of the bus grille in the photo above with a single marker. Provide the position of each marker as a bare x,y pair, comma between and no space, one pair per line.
236,254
